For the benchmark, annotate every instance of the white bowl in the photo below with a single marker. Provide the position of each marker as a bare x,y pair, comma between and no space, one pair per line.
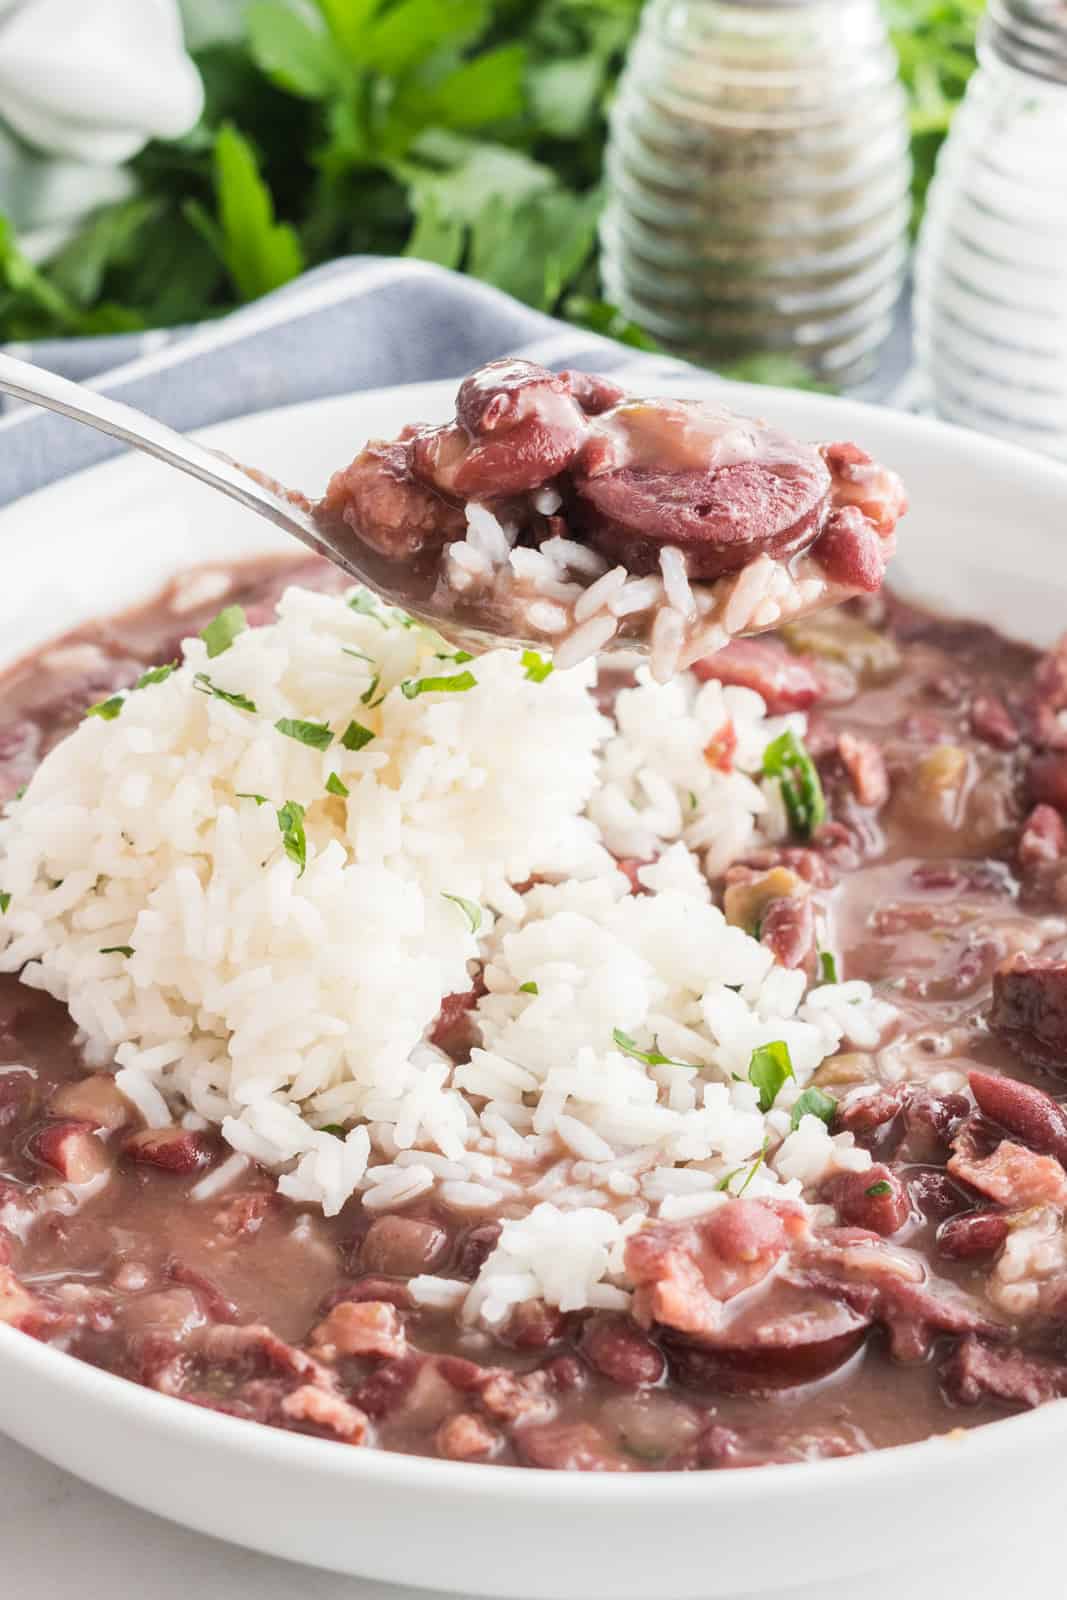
985,538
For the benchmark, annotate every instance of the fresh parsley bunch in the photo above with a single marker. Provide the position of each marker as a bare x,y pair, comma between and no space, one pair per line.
466,132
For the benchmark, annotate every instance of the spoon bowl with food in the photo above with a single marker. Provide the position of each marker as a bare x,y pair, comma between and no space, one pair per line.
556,510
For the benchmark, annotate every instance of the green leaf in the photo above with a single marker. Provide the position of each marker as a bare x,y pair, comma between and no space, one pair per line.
363,603
564,94
203,685
457,683
356,736
349,22
107,710
333,1127
813,1103
878,1189
786,759
485,90
108,239
156,675
260,799
827,967
651,1058
316,735
5,901
292,51
294,839
117,950
337,786
223,630
533,248
259,253
769,1068
413,30
470,909
437,235
529,988
723,1185
535,667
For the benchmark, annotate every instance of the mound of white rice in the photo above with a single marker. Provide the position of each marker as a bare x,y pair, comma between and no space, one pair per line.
254,881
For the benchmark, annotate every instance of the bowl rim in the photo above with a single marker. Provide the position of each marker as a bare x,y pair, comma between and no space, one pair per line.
980,1447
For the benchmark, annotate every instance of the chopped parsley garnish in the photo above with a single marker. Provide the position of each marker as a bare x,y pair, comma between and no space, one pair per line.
223,630
537,669
335,1128
367,697
470,909
337,786
260,799
291,822
204,684
813,1103
365,605
769,1068
107,710
878,1189
724,1183
786,759
827,967
529,988
356,736
317,735
651,1058
5,901
156,675
453,655
359,655
21,790
454,684
117,950
692,801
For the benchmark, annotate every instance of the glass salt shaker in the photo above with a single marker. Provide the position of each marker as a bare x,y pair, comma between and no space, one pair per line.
991,270
758,175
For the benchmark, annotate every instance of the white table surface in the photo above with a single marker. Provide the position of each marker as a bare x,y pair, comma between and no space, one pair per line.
61,1540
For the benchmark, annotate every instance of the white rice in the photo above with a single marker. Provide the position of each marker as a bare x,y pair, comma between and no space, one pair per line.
280,1004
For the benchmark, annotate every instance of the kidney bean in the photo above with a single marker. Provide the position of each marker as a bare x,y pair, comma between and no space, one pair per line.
620,1351
402,1247
975,1234
72,1149
179,1150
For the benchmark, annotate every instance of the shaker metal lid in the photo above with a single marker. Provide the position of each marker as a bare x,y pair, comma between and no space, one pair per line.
1030,35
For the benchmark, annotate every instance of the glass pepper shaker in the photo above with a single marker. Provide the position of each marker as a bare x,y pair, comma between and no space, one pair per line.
758,175
991,269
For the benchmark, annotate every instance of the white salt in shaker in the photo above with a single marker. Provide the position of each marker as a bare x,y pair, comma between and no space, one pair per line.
991,273
758,176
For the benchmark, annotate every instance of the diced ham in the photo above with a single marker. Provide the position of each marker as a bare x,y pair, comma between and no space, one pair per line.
875,1199
865,765
980,1371
1030,1009
1043,840
514,1398
683,1271
466,1437
320,1408
721,1446
360,1328
19,1308
1013,1176
786,682
570,1447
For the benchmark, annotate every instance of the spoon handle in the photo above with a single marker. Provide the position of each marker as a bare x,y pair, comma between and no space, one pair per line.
291,512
